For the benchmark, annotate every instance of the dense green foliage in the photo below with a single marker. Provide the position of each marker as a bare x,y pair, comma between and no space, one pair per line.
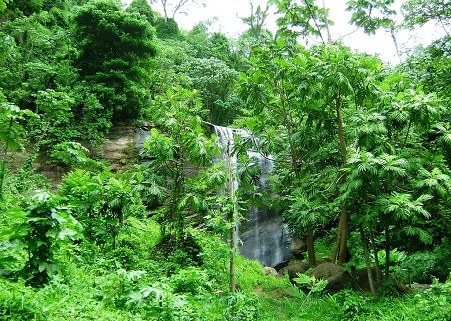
361,153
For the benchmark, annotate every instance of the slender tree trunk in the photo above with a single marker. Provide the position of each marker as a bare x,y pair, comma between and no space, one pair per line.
232,219
165,9
311,246
3,160
290,123
177,215
344,214
366,254
326,18
387,252
337,242
314,20
443,26
343,247
376,257
233,225
395,42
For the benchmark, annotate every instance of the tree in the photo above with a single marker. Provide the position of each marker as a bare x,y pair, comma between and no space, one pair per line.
371,15
171,8
279,92
180,143
256,35
11,134
143,8
345,80
115,48
3,4
215,82
419,12
36,73
167,28
256,20
12,9
305,19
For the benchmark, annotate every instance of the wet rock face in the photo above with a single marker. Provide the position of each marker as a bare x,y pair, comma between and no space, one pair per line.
265,238
263,234
114,149
119,146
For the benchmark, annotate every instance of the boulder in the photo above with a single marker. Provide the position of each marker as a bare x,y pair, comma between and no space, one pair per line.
298,248
338,278
323,260
270,271
294,268
362,282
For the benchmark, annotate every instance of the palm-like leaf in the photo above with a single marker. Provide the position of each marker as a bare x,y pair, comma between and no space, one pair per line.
434,181
403,207
393,165
422,234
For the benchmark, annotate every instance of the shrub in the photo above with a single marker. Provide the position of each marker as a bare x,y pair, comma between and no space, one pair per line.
191,280
434,303
15,303
419,267
390,288
353,304
41,229
443,257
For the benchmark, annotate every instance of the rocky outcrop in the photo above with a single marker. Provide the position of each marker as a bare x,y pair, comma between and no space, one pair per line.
119,147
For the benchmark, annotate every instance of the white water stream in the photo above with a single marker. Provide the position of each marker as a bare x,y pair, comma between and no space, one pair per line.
263,236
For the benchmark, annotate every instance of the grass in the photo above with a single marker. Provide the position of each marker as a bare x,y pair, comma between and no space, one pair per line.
94,285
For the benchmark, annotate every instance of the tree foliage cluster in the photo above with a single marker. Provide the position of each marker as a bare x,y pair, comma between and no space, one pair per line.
361,153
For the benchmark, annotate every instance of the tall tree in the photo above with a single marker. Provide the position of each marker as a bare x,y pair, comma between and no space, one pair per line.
419,12
12,9
181,142
172,8
306,19
215,82
143,8
256,20
371,15
115,48
279,92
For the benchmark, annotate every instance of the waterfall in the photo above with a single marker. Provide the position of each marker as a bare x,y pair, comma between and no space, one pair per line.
263,236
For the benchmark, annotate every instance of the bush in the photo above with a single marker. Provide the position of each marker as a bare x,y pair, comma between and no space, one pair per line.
443,257
353,304
434,303
390,288
190,280
419,267
167,29
15,303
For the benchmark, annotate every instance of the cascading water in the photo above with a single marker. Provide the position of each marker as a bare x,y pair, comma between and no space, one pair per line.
263,235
